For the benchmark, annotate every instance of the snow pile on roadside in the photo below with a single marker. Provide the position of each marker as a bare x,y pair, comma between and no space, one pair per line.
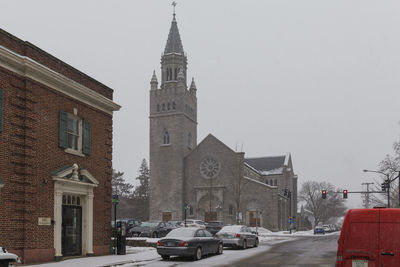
147,239
261,231
134,256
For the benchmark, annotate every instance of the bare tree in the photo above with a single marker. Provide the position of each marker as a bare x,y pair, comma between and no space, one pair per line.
322,209
390,165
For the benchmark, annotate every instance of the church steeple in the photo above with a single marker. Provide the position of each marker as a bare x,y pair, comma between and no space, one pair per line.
174,43
174,60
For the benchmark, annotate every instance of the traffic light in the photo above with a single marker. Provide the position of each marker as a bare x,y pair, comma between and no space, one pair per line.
323,194
345,193
384,186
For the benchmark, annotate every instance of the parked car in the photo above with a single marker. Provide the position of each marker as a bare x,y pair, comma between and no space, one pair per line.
327,229
194,223
175,223
237,236
130,223
6,258
319,230
189,242
369,237
153,229
214,227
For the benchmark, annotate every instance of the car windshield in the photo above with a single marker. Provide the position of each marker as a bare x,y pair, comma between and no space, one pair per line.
233,228
181,232
149,224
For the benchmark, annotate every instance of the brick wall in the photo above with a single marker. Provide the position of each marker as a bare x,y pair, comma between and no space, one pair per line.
29,152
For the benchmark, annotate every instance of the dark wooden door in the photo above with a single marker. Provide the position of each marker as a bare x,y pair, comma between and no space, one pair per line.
210,216
167,216
71,230
253,220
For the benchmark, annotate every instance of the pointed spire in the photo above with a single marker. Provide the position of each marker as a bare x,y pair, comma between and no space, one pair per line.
193,85
154,81
174,43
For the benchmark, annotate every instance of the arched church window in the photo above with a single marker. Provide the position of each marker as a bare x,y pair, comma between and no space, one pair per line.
169,106
167,74
190,210
165,138
163,107
170,74
173,105
176,73
158,107
230,210
190,142
271,182
275,182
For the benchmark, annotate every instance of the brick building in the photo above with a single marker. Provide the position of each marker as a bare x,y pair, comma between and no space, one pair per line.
210,179
55,156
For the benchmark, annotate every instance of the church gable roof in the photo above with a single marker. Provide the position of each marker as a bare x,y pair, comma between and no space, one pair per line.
268,165
210,138
174,43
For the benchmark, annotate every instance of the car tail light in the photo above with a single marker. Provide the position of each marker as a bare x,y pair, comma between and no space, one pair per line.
184,244
237,235
339,258
159,243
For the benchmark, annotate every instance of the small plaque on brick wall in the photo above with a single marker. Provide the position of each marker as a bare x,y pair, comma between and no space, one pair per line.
44,221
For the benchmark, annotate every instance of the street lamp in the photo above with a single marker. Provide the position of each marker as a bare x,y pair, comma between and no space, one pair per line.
389,181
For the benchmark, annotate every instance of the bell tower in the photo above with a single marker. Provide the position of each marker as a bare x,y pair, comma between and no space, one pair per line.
173,129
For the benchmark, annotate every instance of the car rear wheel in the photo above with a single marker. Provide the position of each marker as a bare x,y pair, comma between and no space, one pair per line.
165,257
220,249
244,244
198,254
256,243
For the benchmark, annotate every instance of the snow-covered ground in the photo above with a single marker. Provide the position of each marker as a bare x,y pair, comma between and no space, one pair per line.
147,256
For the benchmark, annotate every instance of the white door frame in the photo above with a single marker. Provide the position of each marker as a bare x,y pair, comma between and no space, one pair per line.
70,181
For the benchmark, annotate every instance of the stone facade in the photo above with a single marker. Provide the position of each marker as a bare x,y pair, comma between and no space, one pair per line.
211,180
37,90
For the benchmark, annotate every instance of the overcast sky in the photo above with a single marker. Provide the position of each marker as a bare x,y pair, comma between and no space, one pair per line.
318,79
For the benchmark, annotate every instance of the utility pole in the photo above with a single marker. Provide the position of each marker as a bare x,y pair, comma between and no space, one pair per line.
367,195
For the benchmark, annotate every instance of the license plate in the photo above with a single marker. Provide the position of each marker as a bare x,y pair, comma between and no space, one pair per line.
170,244
359,263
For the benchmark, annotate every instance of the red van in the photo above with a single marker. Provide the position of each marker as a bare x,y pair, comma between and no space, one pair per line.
370,237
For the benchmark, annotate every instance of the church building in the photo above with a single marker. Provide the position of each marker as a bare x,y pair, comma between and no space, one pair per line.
209,180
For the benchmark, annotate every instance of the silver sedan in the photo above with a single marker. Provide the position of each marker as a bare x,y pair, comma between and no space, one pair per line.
237,236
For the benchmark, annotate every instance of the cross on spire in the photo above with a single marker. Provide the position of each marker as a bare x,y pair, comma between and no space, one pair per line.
174,5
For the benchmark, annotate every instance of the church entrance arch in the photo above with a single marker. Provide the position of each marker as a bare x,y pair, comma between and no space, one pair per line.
208,208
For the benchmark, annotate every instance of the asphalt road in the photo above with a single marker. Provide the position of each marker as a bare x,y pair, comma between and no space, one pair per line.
305,252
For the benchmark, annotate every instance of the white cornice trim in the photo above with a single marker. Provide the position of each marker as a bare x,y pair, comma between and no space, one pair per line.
29,68
72,182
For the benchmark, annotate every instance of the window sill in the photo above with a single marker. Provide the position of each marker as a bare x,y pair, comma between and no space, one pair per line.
74,152
165,144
